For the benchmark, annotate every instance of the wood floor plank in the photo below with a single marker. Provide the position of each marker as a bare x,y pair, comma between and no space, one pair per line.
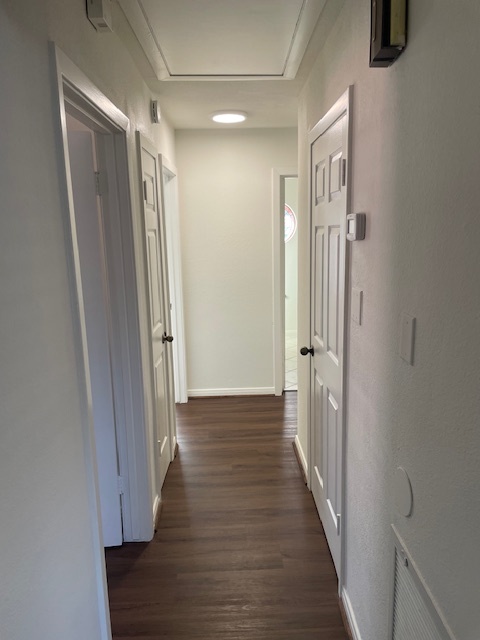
239,552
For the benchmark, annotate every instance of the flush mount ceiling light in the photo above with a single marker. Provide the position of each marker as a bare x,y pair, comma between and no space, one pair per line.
229,117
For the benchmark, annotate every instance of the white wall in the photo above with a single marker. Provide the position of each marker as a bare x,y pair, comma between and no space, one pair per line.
225,184
47,586
416,159
291,260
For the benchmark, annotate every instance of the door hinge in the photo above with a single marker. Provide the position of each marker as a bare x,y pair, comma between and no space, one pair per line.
339,522
101,184
344,172
121,485
145,190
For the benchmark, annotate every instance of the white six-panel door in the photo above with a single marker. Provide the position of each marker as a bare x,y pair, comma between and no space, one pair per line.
159,306
328,239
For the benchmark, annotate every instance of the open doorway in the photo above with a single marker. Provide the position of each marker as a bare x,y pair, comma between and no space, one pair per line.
93,136
101,242
169,194
285,275
86,147
291,282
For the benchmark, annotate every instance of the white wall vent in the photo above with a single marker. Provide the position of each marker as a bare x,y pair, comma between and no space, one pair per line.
413,613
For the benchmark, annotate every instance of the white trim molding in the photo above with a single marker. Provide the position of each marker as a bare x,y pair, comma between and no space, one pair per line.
74,88
347,604
156,507
170,207
242,391
278,202
301,455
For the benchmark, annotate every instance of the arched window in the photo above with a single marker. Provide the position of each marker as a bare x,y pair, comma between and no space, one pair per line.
290,223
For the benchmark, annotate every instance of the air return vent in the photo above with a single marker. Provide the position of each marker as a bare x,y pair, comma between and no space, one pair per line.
413,615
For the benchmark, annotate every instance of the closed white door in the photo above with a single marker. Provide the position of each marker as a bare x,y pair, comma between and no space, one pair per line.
328,237
159,306
91,247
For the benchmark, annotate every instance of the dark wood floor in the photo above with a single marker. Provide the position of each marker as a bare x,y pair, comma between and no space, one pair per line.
239,553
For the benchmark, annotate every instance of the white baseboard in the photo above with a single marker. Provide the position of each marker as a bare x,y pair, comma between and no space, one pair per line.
156,507
243,391
350,616
301,455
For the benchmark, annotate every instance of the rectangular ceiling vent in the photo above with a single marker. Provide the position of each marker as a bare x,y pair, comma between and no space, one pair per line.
414,616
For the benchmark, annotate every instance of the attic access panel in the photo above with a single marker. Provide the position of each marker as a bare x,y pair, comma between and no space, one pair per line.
212,39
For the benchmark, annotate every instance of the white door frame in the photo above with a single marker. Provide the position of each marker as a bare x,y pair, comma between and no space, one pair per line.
172,232
91,150
91,106
343,106
278,215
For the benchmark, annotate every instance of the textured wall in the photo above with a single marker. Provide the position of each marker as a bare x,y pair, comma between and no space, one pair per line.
225,183
48,579
415,172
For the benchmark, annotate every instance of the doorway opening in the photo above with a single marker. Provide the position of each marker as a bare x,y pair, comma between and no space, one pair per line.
285,276
169,193
291,282
87,150
99,227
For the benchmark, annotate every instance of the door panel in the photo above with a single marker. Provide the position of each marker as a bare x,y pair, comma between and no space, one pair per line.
333,283
159,307
161,405
328,232
154,270
335,174
318,293
331,450
320,458
319,182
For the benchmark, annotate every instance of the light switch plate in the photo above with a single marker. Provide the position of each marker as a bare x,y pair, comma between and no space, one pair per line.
407,337
357,304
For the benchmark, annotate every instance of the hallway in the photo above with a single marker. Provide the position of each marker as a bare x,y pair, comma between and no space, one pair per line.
239,552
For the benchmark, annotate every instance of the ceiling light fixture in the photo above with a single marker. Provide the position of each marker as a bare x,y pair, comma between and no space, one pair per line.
229,117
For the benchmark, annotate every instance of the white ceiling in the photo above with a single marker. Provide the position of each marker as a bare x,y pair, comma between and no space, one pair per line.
202,56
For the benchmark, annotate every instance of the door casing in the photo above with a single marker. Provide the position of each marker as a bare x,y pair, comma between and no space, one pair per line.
278,213
343,106
91,106
88,152
169,193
